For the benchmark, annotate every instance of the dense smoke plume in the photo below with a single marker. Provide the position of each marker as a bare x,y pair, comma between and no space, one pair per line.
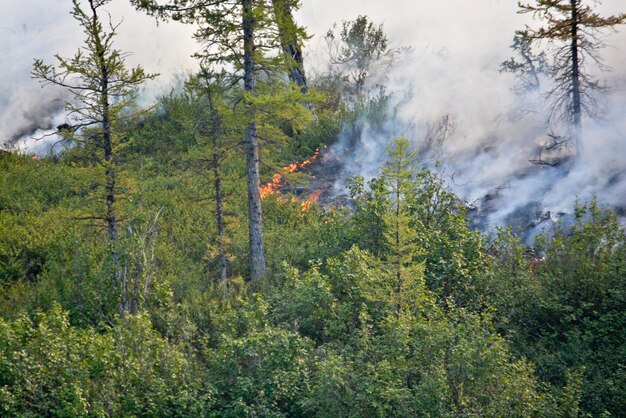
454,105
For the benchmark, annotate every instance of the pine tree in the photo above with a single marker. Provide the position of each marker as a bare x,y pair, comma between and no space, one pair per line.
103,89
210,123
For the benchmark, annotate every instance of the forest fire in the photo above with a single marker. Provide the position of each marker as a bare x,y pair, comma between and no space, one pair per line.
277,183
293,167
273,186
313,197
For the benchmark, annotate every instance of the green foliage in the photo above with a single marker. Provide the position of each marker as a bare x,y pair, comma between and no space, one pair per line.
41,243
453,255
264,373
566,312
163,136
371,360
472,330
393,309
316,135
102,87
401,241
49,368
102,91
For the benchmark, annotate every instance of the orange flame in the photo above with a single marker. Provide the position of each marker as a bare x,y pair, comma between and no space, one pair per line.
273,186
293,167
313,197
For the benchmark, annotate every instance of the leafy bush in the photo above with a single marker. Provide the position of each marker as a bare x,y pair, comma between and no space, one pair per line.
49,368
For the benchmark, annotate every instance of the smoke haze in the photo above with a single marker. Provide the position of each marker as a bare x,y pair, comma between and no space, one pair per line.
42,28
450,79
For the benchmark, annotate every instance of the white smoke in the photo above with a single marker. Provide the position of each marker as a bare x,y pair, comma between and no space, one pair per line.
451,79
42,28
453,74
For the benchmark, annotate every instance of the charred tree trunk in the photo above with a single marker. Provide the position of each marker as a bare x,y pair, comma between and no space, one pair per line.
576,106
110,178
255,214
289,43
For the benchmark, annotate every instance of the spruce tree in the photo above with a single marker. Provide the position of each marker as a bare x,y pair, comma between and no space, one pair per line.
401,238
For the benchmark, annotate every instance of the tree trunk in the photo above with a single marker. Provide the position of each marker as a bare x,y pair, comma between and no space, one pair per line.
398,255
110,178
289,43
219,214
109,175
111,218
576,107
107,140
255,214
291,48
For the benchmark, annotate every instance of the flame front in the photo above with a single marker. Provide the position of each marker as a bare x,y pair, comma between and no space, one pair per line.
278,182
313,197
293,167
273,186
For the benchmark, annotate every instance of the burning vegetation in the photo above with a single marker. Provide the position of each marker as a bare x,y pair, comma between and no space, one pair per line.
279,185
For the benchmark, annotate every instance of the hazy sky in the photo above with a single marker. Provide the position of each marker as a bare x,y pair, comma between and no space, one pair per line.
473,36
41,28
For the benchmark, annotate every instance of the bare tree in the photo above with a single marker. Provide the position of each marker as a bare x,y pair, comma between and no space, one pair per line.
359,50
528,67
572,33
